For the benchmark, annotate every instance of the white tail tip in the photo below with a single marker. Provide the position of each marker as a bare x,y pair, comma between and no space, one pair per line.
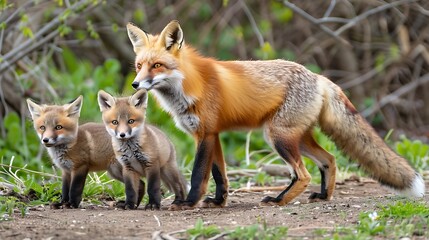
417,188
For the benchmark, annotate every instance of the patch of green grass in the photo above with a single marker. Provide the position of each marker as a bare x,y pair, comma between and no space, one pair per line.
404,209
201,230
8,205
255,231
415,151
37,188
392,221
262,179
258,231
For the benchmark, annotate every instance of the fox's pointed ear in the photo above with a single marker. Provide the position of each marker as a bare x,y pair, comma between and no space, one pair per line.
34,109
139,99
105,100
172,35
138,37
73,108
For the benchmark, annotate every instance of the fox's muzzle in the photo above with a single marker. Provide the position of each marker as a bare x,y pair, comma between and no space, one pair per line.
135,85
48,142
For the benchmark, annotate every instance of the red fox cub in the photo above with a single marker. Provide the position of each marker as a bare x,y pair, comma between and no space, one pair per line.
206,97
142,149
75,149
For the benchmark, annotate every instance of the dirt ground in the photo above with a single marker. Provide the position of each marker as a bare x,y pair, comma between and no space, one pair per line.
103,222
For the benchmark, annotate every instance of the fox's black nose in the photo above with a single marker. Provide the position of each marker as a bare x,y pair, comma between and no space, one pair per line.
135,85
45,140
122,135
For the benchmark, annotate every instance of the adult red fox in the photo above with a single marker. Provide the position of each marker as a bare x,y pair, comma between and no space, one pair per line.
142,149
75,149
206,97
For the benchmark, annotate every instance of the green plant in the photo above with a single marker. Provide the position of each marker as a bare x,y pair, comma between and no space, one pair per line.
20,144
44,192
404,209
7,206
200,230
262,179
415,151
100,186
399,219
81,78
258,231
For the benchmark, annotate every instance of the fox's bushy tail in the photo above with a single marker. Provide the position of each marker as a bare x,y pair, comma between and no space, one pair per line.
355,137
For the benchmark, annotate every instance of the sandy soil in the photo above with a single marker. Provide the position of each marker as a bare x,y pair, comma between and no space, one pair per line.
103,222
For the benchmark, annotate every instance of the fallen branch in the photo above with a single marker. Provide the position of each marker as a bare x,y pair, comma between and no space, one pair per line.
260,189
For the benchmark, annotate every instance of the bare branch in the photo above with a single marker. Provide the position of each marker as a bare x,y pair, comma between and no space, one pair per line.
365,77
253,23
333,20
14,58
314,21
29,45
330,8
396,94
352,22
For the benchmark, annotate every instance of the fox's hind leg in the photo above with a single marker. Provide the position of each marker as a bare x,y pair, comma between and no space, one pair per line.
326,164
286,142
175,181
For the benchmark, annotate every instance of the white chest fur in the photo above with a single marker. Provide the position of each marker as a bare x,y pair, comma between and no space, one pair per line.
130,155
175,102
58,156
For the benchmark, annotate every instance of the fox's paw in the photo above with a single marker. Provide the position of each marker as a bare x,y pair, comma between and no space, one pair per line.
56,205
180,205
270,201
152,206
126,205
71,205
62,205
213,203
317,197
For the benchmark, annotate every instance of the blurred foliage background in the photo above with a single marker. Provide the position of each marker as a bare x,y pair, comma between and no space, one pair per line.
54,51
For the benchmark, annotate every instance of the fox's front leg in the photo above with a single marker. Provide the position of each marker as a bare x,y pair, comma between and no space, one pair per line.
134,189
78,177
153,187
200,172
66,179
219,175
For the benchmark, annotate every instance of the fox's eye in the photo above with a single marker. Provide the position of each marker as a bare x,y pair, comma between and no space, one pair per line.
157,65
139,66
58,127
43,128
131,121
115,122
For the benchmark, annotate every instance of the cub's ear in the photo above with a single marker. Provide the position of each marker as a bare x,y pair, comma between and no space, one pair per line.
105,100
73,108
139,99
138,37
172,35
35,109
